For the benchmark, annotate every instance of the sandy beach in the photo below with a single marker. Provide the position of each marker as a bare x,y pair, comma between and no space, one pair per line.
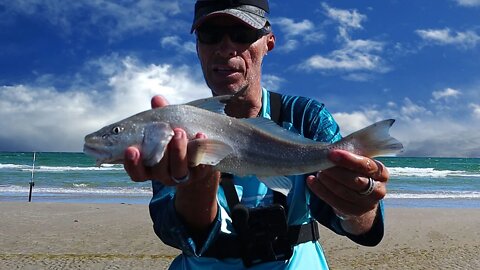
120,236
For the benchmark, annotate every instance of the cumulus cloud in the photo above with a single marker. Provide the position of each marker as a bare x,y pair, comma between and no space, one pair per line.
113,18
467,39
468,3
354,55
446,94
295,33
475,110
353,121
346,18
52,119
421,131
272,82
356,59
177,43
292,28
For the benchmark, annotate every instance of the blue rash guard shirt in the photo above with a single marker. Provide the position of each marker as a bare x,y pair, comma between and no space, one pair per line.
306,117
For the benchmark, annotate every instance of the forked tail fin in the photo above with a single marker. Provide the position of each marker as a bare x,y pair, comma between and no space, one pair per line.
372,141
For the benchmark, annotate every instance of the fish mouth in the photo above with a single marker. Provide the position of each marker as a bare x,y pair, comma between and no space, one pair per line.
101,155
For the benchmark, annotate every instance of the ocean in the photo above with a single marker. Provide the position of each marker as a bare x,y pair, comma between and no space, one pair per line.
74,178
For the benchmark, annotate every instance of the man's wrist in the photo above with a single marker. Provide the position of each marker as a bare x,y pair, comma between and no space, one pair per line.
358,225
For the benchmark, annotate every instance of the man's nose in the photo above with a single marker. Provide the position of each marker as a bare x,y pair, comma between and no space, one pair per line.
226,47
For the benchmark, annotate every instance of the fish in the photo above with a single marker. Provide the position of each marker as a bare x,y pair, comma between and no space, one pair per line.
240,146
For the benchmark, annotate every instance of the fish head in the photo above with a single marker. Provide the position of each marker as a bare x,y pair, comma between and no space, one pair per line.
108,144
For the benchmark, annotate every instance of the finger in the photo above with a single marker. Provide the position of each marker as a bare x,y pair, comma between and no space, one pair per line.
321,188
343,191
133,165
178,154
355,182
200,135
160,171
362,165
158,101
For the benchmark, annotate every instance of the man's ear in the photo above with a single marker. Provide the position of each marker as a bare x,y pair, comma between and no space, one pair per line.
270,42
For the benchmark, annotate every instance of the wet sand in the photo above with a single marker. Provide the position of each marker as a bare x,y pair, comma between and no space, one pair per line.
120,236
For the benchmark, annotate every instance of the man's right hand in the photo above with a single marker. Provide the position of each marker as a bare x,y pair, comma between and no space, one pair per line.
174,162
195,199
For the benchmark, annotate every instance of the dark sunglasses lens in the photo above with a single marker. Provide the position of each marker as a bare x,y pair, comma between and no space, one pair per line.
209,36
244,36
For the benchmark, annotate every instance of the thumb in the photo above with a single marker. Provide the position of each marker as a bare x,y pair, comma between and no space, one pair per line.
158,101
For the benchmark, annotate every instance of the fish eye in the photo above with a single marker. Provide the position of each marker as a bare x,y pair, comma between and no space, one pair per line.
117,130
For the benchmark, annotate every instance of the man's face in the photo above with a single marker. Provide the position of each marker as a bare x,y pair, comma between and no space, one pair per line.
229,66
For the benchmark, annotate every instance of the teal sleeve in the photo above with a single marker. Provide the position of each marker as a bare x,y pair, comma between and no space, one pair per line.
170,227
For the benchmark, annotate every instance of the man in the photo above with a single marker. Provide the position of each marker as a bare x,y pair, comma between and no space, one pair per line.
212,217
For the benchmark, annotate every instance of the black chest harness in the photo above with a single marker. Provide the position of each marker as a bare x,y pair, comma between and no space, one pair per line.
263,234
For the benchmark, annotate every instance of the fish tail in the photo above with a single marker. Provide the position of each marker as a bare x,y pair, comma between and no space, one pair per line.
372,141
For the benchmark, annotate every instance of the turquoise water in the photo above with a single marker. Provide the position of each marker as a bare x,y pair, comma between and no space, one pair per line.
73,177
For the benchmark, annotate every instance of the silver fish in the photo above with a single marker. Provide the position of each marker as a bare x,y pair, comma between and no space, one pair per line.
252,146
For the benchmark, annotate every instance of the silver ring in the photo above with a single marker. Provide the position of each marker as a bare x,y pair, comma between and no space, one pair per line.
371,187
181,180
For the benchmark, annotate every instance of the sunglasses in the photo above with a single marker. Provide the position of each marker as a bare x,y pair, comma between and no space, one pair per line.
210,34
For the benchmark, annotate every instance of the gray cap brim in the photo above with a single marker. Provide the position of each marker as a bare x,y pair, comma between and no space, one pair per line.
252,16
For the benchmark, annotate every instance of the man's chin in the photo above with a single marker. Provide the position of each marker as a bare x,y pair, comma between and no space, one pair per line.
229,90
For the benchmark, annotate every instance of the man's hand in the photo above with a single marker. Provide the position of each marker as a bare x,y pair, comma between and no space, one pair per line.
173,164
195,199
342,185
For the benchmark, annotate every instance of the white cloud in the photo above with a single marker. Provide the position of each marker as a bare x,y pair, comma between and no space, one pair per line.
176,43
353,121
112,17
355,55
51,119
346,18
412,111
356,59
466,40
446,94
468,3
272,82
422,132
292,28
475,110
295,33
288,46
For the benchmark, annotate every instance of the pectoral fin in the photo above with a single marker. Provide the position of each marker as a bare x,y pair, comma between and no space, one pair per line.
156,137
206,151
280,183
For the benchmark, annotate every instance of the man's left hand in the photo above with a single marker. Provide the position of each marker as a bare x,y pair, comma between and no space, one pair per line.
342,186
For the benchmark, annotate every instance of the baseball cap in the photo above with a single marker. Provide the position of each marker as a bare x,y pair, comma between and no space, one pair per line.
252,12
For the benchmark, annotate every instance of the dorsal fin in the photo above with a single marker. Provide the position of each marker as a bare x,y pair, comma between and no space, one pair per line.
213,104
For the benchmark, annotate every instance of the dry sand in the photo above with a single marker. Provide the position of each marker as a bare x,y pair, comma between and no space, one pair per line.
104,236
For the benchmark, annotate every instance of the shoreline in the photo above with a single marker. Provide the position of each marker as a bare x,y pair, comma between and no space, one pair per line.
144,199
98,236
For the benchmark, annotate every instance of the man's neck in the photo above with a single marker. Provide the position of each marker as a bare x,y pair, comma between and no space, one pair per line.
245,104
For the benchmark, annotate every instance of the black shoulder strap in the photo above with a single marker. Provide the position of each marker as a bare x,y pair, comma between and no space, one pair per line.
275,115
229,190
276,107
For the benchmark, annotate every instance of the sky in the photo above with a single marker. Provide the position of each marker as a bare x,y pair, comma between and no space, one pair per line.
67,68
